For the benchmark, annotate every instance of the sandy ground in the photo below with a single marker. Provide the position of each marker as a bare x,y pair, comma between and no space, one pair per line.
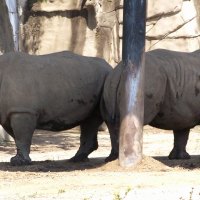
52,176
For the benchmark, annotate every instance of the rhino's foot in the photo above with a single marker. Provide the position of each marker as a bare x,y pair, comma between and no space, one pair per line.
175,154
19,160
83,152
111,157
80,158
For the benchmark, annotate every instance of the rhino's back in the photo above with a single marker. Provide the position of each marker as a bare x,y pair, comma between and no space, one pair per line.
63,86
179,108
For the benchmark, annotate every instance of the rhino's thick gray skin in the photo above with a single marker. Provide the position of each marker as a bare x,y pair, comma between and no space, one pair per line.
172,97
51,92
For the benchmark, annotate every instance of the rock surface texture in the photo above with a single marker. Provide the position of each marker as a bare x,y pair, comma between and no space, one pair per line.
94,27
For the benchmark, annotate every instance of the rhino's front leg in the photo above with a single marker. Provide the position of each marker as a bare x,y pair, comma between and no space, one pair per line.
88,138
23,126
180,142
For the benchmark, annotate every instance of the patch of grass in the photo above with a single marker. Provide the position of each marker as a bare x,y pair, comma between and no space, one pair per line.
33,195
61,191
191,194
117,196
127,191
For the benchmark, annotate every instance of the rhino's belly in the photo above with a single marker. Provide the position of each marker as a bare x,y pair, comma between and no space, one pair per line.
65,117
54,116
174,120
58,124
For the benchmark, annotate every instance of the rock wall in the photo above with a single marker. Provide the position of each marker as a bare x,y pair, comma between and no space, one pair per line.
94,27
85,27
173,25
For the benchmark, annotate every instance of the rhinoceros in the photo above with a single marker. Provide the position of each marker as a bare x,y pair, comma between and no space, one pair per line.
171,97
51,92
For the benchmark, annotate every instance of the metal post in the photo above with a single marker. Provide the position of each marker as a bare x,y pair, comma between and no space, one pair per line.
132,96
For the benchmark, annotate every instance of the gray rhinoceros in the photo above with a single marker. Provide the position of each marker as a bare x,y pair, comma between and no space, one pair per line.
51,92
172,97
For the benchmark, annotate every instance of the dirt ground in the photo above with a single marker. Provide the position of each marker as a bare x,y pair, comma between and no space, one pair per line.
52,176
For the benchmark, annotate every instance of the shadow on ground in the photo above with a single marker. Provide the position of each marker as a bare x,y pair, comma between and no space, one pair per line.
193,163
54,166
156,164
45,141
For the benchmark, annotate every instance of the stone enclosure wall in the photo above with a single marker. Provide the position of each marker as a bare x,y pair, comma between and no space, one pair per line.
94,27
173,25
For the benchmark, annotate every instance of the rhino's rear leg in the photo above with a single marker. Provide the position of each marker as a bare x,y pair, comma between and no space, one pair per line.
88,138
180,142
114,137
23,126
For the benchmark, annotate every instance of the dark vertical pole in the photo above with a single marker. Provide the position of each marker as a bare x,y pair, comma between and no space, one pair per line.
132,95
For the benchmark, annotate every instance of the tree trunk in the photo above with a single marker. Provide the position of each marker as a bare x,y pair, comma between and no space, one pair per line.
132,102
